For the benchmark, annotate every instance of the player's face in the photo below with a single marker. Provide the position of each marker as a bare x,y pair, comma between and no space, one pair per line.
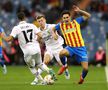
66,18
41,21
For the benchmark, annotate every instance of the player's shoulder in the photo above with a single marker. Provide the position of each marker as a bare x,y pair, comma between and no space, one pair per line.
16,27
51,25
31,24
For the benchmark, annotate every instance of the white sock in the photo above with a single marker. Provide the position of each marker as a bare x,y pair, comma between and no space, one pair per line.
67,70
44,67
40,71
36,80
39,77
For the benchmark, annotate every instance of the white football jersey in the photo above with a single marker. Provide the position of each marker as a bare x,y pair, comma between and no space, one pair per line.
26,34
48,38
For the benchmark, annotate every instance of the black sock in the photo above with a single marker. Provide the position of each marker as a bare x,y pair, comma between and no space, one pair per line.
63,60
84,73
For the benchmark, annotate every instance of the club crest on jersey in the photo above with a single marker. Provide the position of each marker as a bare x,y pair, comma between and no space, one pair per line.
69,30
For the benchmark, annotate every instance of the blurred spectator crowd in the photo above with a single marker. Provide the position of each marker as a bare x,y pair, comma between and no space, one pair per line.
94,31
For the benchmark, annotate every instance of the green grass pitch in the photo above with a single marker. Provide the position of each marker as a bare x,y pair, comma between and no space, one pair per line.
19,78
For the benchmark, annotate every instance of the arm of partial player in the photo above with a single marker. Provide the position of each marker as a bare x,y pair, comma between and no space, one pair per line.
39,38
6,38
54,33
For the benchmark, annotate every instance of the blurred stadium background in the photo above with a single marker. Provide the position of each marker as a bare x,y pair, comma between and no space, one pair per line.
94,31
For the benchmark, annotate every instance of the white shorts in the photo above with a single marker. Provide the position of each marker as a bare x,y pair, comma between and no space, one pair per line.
33,60
31,49
54,53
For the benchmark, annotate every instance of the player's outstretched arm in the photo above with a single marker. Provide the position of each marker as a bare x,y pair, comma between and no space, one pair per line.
6,38
54,34
39,37
85,14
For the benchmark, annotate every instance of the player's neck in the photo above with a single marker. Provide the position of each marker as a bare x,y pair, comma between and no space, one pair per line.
22,20
42,27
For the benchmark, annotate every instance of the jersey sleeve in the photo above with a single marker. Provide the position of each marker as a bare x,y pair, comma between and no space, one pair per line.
57,27
50,26
53,25
80,20
14,32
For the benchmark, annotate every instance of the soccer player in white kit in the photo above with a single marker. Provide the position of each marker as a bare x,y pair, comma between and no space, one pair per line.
26,34
53,47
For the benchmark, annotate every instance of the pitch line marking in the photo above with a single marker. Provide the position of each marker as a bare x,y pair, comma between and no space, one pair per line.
106,71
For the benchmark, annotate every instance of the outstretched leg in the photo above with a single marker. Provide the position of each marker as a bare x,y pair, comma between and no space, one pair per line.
43,67
63,53
30,61
84,72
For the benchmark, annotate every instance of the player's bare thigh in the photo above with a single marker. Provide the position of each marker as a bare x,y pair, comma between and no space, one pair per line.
56,55
64,52
47,58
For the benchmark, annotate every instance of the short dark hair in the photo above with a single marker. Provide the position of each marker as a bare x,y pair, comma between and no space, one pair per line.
20,15
40,16
65,12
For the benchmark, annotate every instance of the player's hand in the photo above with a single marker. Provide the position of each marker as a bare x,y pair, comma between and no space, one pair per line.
76,8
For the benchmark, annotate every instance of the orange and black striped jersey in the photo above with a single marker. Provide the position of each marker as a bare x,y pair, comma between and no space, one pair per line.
72,33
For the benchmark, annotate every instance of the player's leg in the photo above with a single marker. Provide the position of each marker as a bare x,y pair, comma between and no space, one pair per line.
63,64
31,65
56,55
47,58
43,67
81,56
3,64
63,53
84,72
67,74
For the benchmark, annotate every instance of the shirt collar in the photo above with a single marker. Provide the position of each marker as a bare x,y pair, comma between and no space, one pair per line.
46,26
21,22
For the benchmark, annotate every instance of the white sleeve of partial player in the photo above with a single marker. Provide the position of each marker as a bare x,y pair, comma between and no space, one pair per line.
53,25
14,32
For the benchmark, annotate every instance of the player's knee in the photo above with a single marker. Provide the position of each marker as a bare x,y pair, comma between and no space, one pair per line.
64,52
85,69
47,58
45,62
85,66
